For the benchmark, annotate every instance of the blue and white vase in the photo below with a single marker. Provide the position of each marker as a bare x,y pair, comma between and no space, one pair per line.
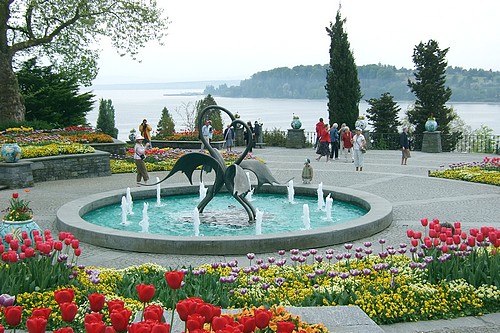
296,124
11,152
16,229
431,125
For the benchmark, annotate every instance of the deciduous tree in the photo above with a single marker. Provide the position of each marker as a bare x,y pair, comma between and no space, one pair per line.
66,33
342,84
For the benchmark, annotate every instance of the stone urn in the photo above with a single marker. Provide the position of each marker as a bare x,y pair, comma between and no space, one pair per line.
361,123
431,125
11,152
296,124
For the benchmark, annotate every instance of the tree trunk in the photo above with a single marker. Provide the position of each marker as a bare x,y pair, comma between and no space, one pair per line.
11,101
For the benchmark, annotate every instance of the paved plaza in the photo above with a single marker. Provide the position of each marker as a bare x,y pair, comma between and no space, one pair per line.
408,188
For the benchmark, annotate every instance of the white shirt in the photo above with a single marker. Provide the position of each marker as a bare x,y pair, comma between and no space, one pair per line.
358,141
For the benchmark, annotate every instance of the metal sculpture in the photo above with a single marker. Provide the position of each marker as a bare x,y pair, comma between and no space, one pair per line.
233,176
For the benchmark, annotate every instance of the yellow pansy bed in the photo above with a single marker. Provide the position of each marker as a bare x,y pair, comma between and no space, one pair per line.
55,149
470,174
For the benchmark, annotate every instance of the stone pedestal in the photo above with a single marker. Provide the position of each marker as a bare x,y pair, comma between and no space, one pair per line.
296,138
239,139
431,142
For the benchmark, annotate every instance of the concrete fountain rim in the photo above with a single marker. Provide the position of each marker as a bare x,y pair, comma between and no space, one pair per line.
69,218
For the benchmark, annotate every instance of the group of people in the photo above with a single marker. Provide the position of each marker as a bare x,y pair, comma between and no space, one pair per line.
331,140
255,133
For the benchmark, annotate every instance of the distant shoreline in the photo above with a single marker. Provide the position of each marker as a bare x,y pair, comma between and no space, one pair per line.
185,94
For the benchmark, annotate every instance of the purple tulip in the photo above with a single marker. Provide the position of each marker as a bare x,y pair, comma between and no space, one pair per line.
251,256
7,300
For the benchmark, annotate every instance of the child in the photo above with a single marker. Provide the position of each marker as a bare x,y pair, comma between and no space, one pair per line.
307,172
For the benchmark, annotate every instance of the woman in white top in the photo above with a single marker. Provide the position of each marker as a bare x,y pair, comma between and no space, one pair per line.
358,142
139,156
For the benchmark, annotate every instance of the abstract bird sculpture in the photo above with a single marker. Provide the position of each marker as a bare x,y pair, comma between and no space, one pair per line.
233,176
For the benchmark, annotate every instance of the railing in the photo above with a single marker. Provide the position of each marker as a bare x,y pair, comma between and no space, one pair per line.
489,144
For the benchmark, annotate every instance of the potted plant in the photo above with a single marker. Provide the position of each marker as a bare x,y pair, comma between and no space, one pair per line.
18,220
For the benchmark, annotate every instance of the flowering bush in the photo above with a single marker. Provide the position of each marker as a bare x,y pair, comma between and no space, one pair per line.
18,209
486,172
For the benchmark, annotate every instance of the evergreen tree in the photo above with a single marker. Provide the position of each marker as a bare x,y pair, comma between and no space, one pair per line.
342,84
212,115
106,118
166,124
383,114
431,93
52,97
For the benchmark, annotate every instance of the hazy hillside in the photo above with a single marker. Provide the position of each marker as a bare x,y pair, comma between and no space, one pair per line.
473,85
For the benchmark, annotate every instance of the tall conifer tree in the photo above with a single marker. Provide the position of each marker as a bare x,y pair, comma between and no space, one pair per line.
342,84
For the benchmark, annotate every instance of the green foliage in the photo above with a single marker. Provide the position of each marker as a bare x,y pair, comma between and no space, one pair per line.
342,84
212,115
35,124
106,118
383,114
274,137
431,93
483,140
166,125
52,97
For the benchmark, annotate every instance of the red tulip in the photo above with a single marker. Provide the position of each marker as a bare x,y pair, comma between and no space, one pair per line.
458,231
471,241
93,317
437,227
248,323
41,312
449,240
473,231
78,252
120,319
219,323
432,233
195,321
2,247
174,279
409,233
13,315
14,245
75,243
12,256
414,242
145,292
436,241
109,329
64,330
97,302
444,248
95,327
463,247
206,311
480,237
140,327
65,295
115,304
68,311
160,328
8,238
424,222
285,327
456,239
428,243
58,246
36,324
2,329
153,312
417,235
496,243
15,195
463,235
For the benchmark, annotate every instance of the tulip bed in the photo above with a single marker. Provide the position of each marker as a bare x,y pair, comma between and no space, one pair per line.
485,172
443,272
189,136
161,159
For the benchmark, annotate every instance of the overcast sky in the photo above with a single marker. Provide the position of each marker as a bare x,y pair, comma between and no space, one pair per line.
229,39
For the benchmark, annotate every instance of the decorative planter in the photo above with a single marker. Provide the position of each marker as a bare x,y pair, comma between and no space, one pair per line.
361,123
431,125
296,124
11,152
131,137
16,229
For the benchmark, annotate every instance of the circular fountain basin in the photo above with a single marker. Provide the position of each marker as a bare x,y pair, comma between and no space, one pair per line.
378,217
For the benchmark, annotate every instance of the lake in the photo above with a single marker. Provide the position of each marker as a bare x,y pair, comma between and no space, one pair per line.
132,106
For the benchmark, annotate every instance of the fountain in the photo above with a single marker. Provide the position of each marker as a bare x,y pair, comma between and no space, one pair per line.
130,203
321,201
196,221
145,219
236,181
328,206
124,210
258,222
158,193
291,192
249,195
203,191
305,217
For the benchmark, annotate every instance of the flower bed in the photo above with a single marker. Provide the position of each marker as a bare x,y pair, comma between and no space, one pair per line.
161,159
443,272
485,172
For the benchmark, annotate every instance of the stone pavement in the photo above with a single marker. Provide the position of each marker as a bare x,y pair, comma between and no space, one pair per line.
412,193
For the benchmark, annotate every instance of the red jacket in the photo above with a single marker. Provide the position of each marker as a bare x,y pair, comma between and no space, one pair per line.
346,139
324,135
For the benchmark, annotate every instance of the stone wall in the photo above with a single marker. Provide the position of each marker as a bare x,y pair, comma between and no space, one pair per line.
29,171
115,148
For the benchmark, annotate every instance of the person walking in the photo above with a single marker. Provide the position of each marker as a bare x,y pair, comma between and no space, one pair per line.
405,146
139,156
229,137
347,144
341,132
145,131
334,141
319,126
205,131
324,143
359,147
